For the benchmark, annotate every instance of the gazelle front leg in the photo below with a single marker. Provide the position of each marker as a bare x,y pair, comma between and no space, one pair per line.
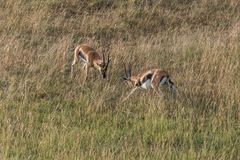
132,91
157,90
155,84
84,66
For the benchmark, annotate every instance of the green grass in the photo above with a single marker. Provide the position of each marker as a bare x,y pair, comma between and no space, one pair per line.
46,115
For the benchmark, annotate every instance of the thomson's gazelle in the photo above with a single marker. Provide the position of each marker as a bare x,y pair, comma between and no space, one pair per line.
91,59
149,79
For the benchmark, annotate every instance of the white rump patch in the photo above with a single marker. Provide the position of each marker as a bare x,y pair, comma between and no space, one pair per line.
163,81
146,84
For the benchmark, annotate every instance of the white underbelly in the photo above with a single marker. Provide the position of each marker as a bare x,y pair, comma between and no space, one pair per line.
146,84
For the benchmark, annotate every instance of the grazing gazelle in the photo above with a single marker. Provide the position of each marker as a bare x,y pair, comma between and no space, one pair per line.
149,79
91,59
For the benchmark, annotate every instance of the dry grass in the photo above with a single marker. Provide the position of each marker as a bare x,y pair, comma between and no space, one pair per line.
45,115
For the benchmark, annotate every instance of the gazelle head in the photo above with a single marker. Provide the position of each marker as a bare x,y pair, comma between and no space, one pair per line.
132,80
104,65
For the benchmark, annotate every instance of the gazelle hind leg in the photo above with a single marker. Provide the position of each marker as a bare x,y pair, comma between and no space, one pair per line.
72,71
157,90
86,72
72,67
171,85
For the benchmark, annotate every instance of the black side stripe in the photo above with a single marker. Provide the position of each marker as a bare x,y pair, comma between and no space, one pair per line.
82,56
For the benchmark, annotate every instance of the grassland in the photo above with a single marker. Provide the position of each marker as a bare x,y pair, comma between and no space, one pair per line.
46,115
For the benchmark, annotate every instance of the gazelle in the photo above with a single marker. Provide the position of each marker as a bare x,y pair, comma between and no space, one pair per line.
149,79
91,59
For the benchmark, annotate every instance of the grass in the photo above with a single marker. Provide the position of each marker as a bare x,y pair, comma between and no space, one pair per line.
46,115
